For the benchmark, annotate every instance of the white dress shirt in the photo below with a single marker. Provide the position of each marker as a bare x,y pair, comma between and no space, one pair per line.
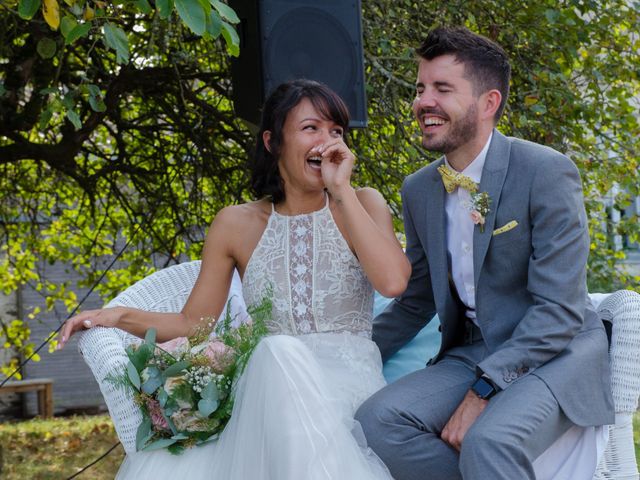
460,228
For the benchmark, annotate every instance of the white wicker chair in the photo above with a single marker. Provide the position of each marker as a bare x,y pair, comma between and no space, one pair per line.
167,291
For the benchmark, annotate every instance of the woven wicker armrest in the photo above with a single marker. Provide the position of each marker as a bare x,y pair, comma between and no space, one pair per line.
104,351
622,308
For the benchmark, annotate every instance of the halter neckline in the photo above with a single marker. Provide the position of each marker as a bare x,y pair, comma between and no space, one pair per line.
326,206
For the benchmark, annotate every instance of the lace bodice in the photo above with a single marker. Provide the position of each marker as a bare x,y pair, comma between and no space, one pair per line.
318,284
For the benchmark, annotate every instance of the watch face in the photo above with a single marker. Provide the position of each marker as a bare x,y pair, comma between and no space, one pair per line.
483,389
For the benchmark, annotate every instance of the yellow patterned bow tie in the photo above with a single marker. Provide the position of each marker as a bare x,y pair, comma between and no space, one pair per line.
452,180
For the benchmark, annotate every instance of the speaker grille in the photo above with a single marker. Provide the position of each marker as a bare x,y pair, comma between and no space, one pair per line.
309,43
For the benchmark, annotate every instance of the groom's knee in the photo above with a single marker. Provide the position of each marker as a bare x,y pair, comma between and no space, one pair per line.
380,420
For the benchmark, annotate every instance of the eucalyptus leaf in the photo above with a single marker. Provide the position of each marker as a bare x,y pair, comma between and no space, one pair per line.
206,407
162,397
153,382
176,369
132,372
140,356
143,433
210,391
159,444
210,399
150,336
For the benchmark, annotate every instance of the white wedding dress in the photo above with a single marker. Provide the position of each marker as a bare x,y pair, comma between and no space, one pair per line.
293,414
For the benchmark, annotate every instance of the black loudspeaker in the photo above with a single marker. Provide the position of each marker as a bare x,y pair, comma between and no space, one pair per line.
281,40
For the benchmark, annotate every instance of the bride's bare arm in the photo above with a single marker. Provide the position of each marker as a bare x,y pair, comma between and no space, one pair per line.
207,298
366,221
369,226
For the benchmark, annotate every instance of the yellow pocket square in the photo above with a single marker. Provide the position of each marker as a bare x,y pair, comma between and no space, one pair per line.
509,226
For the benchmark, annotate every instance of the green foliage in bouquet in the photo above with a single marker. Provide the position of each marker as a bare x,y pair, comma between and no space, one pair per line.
184,388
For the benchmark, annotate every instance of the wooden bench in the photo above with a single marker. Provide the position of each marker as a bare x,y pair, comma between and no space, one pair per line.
44,387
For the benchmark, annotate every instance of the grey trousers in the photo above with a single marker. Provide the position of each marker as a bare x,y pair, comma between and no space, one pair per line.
403,421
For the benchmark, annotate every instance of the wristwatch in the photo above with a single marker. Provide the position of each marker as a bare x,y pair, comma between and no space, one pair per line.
483,388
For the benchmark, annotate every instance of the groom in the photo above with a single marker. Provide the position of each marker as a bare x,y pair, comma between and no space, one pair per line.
497,236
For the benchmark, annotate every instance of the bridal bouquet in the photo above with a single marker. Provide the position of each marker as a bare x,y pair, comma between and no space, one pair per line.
184,388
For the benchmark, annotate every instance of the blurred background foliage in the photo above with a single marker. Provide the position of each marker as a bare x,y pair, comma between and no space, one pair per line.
117,127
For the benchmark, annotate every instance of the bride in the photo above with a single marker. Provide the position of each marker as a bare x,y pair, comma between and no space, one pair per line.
322,247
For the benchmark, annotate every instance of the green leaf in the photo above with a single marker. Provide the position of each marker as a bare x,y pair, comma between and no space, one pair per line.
158,444
139,356
206,407
45,118
67,24
225,11
162,397
133,375
552,15
192,13
210,399
231,37
154,380
150,337
143,6
144,433
2,92
214,24
74,118
176,369
78,31
115,38
28,8
165,7
46,47
95,98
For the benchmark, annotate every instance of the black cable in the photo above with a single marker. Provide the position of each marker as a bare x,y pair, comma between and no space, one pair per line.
55,332
94,462
146,220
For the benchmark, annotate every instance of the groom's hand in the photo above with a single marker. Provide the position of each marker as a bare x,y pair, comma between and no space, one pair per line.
462,419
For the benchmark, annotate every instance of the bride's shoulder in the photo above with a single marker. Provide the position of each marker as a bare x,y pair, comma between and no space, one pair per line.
244,216
370,198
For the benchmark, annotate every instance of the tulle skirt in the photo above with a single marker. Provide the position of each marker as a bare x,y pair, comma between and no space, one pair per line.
292,418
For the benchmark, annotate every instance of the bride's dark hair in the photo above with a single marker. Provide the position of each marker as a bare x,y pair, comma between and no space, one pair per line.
265,175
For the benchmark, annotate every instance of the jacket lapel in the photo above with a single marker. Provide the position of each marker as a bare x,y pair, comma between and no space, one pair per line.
493,176
436,235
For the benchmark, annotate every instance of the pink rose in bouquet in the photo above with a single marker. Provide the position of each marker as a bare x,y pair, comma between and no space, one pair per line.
176,344
155,412
220,355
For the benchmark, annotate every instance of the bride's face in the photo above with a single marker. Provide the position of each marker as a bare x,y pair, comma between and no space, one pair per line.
304,129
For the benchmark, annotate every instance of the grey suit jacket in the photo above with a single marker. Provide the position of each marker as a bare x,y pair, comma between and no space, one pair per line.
530,281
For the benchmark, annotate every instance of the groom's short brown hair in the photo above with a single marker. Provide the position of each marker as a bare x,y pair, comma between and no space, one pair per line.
486,64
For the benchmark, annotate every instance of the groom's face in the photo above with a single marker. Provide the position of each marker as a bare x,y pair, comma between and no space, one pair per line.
445,105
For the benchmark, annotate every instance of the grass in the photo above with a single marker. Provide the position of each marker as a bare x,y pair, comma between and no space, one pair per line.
58,448
636,435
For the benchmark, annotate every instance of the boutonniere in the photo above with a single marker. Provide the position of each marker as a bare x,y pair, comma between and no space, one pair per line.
479,206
